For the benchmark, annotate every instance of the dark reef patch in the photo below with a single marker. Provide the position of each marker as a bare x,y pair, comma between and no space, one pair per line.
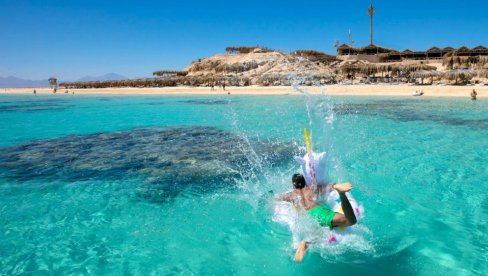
156,103
31,107
207,102
169,160
33,101
401,111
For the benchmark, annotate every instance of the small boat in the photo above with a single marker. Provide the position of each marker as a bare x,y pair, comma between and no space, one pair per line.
418,93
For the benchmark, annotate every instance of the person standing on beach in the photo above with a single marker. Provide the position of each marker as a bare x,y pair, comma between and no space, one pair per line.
473,94
223,85
303,197
212,86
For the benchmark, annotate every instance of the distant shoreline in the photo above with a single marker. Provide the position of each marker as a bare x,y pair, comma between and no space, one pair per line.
332,90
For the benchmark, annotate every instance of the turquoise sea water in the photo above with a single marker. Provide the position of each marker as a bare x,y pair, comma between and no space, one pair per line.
112,184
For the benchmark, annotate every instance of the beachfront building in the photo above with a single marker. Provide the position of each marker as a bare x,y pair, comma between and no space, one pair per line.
371,53
374,53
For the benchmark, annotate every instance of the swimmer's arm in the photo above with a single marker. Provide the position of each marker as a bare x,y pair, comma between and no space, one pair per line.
289,197
285,197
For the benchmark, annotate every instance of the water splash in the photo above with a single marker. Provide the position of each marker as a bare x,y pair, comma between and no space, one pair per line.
321,121
258,178
330,244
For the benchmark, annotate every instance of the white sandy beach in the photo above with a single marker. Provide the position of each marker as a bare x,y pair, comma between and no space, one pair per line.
333,90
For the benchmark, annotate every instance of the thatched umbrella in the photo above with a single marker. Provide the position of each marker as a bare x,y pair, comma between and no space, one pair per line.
425,74
350,69
460,62
459,74
483,74
408,69
422,74
368,69
417,67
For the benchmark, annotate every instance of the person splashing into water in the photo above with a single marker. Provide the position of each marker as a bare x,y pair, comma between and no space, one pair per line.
304,197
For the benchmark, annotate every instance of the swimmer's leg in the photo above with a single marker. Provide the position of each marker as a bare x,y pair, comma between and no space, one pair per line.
349,218
301,250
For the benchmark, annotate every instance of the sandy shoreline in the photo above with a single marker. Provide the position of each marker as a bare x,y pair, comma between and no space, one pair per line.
333,90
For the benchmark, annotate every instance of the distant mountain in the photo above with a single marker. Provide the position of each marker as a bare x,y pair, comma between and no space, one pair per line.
106,77
14,82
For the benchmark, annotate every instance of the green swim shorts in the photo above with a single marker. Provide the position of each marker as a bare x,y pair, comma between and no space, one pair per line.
323,215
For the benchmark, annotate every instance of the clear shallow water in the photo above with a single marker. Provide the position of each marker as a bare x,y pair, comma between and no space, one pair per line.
418,166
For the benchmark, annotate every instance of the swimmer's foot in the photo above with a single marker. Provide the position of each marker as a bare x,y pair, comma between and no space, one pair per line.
342,187
302,249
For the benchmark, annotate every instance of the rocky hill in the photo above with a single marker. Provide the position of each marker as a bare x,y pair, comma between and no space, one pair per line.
243,66
263,67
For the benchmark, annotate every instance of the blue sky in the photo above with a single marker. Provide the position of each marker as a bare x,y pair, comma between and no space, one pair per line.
72,39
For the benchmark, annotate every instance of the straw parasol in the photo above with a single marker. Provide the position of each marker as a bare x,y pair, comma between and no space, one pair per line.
417,67
459,74
461,62
483,74
369,69
422,74
425,74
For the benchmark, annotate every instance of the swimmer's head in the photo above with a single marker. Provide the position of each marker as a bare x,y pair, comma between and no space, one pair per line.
298,181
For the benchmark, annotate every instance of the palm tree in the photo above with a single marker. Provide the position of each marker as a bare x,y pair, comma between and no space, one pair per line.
371,14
